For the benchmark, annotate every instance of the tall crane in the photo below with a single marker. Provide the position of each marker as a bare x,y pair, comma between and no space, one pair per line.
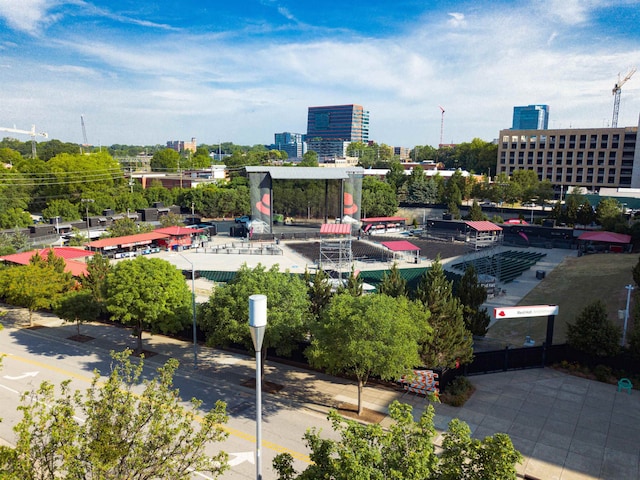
441,125
85,143
32,133
617,89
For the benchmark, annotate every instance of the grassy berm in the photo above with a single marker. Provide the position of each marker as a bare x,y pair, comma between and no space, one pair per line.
573,284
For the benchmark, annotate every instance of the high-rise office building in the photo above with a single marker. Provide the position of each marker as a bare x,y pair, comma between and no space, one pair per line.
531,117
332,128
292,143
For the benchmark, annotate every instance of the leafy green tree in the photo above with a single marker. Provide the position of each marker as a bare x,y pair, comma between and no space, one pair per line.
528,182
319,291
77,306
466,458
309,159
15,217
384,334
225,318
148,293
95,280
165,161
475,212
378,198
36,286
395,176
172,220
125,434
472,295
61,208
403,451
609,213
451,343
593,332
454,211
544,192
353,285
586,215
393,284
127,226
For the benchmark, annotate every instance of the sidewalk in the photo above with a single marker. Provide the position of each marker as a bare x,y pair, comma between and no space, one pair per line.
566,427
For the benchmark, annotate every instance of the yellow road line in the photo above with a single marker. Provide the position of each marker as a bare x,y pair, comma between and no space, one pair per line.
232,431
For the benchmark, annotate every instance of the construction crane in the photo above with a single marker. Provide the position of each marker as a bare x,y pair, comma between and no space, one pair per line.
617,89
32,133
85,143
441,125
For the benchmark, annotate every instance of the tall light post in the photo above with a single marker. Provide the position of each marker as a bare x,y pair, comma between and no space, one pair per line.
193,309
629,288
258,325
86,202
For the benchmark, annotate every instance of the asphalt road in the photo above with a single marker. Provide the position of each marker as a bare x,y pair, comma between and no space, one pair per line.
31,358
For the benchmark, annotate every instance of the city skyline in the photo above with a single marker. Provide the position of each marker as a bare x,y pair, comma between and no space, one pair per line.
143,74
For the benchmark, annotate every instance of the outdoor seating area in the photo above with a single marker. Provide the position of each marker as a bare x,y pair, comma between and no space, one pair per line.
505,266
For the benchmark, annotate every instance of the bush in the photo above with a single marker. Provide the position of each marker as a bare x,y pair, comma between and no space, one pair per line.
593,332
602,373
458,392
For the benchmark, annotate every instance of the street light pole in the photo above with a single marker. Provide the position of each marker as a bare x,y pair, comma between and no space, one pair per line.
86,202
193,309
626,314
258,325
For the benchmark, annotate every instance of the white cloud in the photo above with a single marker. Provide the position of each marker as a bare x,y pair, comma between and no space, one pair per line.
27,15
457,20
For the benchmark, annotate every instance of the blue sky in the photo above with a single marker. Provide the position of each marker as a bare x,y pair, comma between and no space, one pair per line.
147,72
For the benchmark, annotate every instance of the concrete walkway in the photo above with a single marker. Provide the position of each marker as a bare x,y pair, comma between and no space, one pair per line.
567,428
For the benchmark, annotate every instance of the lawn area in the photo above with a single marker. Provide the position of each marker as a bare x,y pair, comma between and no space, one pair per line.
573,284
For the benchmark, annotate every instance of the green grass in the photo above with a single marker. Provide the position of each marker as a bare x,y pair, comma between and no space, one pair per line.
573,284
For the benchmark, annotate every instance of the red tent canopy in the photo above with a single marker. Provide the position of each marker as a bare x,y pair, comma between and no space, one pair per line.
607,237
401,246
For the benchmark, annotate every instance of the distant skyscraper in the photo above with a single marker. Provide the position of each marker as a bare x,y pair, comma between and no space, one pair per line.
531,117
331,128
292,143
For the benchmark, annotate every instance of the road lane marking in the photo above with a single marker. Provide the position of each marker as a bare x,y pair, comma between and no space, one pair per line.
232,431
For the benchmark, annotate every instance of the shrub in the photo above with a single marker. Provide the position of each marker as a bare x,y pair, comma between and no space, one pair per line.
458,392
602,373
593,332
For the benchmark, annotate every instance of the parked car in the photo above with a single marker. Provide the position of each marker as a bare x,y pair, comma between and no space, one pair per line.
243,219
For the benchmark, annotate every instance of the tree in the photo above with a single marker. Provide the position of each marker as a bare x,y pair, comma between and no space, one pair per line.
127,226
125,434
319,291
451,343
475,212
378,198
36,286
368,335
171,220
393,284
15,217
403,451
466,458
166,160
472,295
95,281
148,293
354,284
77,306
593,332
609,213
225,318
309,159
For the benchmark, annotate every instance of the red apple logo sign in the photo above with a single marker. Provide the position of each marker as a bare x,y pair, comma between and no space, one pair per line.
501,313
264,205
349,207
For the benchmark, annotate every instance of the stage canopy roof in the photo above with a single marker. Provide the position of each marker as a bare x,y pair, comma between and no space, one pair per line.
484,226
306,173
607,237
401,246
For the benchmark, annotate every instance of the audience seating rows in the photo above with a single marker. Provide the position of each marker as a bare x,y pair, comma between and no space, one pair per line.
505,266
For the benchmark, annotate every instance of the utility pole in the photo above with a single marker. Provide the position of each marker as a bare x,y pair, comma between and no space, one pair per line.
86,202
